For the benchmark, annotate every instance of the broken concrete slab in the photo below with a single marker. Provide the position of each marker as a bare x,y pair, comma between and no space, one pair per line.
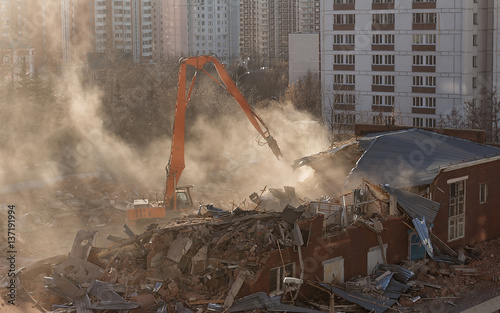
235,288
179,247
61,286
79,270
83,244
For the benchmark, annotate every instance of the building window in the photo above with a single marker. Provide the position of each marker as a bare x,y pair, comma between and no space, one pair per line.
378,59
344,59
387,80
483,193
474,40
339,79
474,61
387,39
456,210
344,1
386,18
383,100
344,39
344,19
424,18
424,81
430,122
424,60
474,82
349,99
344,118
383,120
418,122
424,39
427,102
474,18
277,274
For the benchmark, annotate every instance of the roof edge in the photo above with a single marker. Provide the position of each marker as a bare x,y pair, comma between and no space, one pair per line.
448,168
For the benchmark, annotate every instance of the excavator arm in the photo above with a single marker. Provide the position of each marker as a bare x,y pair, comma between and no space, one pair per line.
176,162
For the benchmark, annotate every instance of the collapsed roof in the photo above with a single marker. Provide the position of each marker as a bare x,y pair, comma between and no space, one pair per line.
404,158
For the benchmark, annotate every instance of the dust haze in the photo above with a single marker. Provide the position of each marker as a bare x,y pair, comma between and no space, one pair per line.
65,170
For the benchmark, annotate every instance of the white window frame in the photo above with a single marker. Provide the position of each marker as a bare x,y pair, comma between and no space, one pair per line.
456,208
277,285
483,193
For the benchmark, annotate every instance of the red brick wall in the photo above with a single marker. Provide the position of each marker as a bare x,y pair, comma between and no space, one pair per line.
482,221
352,244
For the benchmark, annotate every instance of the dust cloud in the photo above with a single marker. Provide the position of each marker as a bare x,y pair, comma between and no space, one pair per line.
65,170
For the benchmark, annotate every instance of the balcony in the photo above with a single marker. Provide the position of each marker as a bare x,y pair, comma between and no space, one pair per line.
343,67
343,26
423,89
423,110
343,106
423,5
382,47
383,6
383,88
344,87
383,108
382,67
377,26
423,68
343,6
424,26
423,47
343,47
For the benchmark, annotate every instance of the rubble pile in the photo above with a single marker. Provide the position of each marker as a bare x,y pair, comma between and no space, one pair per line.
196,261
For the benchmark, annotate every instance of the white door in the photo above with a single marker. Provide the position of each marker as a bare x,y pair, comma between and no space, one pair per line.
333,270
374,258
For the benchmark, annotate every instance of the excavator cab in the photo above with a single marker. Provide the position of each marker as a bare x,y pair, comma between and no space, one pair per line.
151,208
183,197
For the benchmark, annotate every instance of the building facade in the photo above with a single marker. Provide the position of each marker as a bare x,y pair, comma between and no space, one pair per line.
199,27
266,24
406,62
125,26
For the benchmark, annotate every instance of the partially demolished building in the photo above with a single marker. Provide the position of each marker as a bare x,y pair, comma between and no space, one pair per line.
406,194
444,179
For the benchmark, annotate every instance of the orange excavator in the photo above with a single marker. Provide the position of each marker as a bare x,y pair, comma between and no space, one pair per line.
178,198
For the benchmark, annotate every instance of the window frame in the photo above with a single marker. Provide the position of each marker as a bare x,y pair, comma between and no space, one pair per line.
456,208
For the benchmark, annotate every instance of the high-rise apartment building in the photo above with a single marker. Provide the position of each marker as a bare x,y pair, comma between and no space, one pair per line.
125,26
406,61
265,25
198,27
55,29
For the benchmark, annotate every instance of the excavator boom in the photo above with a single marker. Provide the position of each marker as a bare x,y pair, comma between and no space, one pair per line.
175,166
176,162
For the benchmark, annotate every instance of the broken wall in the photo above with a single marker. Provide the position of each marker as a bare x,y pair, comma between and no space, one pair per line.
352,244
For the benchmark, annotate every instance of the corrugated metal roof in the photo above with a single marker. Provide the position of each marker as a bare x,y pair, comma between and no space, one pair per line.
414,205
368,302
395,289
319,156
412,157
401,274
261,301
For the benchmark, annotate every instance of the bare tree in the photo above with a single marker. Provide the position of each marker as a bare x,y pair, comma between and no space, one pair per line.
339,111
478,113
484,114
305,94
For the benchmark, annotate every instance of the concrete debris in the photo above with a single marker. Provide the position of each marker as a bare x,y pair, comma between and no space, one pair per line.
221,261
